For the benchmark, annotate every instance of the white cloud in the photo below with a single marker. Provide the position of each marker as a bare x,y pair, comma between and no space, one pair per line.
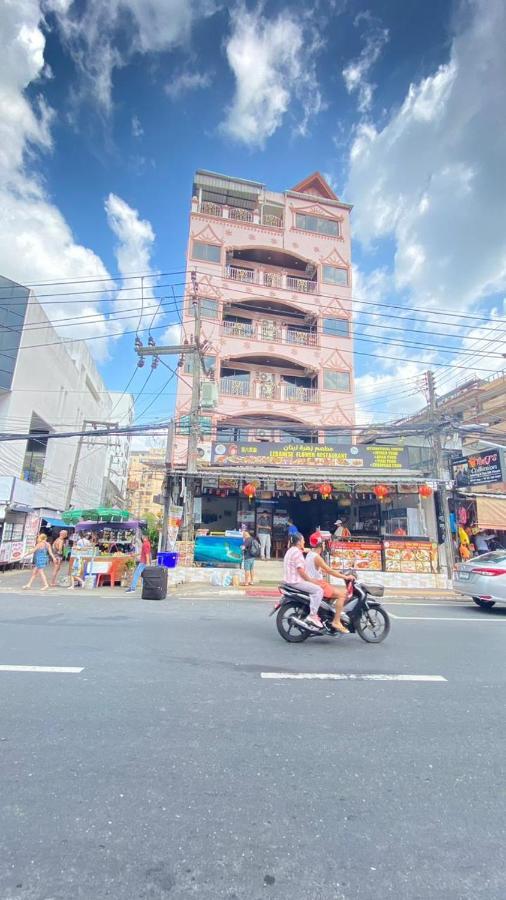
356,72
104,35
185,82
273,64
137,129
433,177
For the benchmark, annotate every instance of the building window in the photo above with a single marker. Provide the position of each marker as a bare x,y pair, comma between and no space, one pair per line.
209,363
230,434
338,438
336,381
35,453
335,275
336,327
318,224
207,252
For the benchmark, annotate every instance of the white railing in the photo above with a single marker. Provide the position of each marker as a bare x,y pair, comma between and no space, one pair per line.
211,209
237,273
299,394
272,221
272,279
303,285
303,338
239,329
234,387
241,215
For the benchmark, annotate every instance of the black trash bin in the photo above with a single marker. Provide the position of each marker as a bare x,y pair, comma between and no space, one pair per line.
154,583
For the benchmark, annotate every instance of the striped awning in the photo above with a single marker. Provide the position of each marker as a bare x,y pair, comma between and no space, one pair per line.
491,513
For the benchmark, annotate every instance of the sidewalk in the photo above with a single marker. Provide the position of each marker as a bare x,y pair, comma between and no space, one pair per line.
11,582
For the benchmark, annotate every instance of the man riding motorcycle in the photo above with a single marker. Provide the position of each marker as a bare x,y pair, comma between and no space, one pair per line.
297,574
316,568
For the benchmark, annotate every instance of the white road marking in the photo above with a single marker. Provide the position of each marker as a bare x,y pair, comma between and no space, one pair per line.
63,670
333,676
475,620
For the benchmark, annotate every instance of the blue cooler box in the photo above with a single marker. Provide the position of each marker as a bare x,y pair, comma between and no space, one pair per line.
169,560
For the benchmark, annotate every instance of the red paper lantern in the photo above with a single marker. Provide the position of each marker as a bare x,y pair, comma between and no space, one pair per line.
325,490
249,490
425,491
380,491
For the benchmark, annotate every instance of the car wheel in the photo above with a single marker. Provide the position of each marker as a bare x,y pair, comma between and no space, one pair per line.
484,604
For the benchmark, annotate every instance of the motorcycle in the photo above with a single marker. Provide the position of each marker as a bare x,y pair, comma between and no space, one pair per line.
362,614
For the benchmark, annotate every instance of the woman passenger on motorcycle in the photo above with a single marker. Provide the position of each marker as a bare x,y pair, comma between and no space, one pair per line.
294,574
316,568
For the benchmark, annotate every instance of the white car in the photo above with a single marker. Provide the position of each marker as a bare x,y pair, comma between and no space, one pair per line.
483,578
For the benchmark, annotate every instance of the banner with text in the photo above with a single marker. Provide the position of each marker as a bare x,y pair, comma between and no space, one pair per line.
298,455
480,468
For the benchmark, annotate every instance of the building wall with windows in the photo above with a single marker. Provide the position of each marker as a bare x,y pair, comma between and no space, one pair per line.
52,387
118,452
273,272
145,482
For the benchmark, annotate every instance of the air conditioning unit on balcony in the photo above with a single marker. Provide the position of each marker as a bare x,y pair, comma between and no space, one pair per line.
261,434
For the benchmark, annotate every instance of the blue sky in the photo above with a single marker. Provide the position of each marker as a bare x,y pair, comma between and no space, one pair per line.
111,105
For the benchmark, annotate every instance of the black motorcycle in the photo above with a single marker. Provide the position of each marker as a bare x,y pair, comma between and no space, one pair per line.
362,614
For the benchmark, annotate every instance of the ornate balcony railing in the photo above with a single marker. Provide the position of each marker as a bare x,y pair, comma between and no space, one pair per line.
241,215
239,329
303,285
211,209
294,392
234,387
271,279
301,338
272,221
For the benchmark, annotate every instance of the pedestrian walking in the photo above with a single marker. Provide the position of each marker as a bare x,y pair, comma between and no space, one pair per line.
58,548
144,560
41,554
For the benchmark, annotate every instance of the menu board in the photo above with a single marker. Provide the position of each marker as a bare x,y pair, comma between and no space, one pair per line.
356,555
412,556
368,456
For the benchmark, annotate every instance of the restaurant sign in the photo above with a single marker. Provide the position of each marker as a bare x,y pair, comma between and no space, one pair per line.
364,456
479,468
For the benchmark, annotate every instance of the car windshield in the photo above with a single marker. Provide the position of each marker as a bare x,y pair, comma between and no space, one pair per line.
495,556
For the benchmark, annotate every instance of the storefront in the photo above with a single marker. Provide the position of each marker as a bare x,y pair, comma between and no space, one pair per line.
388,508
18,522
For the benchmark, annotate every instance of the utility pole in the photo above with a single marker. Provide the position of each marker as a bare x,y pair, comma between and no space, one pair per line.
72,480
194,417
440,473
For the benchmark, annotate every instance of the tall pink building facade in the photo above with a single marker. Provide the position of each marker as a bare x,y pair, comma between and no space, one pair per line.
273,272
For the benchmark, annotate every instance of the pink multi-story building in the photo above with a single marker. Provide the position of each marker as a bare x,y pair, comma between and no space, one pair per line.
273,272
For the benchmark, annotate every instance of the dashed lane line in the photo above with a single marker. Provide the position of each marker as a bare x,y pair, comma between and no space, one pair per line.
336,676
59,670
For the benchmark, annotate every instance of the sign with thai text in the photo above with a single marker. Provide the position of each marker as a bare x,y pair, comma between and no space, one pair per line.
310,455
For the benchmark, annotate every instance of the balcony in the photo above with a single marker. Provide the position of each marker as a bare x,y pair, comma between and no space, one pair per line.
271,331
280,391
271,279
257,216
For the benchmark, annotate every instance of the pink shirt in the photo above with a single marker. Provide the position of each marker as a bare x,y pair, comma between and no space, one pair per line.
293,561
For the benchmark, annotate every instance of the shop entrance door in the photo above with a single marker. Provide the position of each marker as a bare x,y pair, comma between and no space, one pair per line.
312,514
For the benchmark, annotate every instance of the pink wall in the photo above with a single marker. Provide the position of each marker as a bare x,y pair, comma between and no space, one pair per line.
330,352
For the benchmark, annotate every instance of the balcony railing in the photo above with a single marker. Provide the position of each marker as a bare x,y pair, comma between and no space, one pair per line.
301,338
292,393
272,331
271,279
303,285
257,216
234,387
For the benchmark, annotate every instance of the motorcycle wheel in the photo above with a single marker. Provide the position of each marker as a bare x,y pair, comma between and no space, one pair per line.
288,631
373,625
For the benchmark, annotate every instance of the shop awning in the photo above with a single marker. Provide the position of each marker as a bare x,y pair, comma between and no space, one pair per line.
491,513
53,523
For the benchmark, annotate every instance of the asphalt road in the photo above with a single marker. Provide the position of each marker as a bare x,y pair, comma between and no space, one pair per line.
169,768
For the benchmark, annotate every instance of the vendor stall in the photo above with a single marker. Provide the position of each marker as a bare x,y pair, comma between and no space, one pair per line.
111,552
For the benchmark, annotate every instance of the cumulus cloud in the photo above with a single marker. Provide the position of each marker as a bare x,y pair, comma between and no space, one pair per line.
137,129
273,64
433,177
185,82
102,36
356,72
